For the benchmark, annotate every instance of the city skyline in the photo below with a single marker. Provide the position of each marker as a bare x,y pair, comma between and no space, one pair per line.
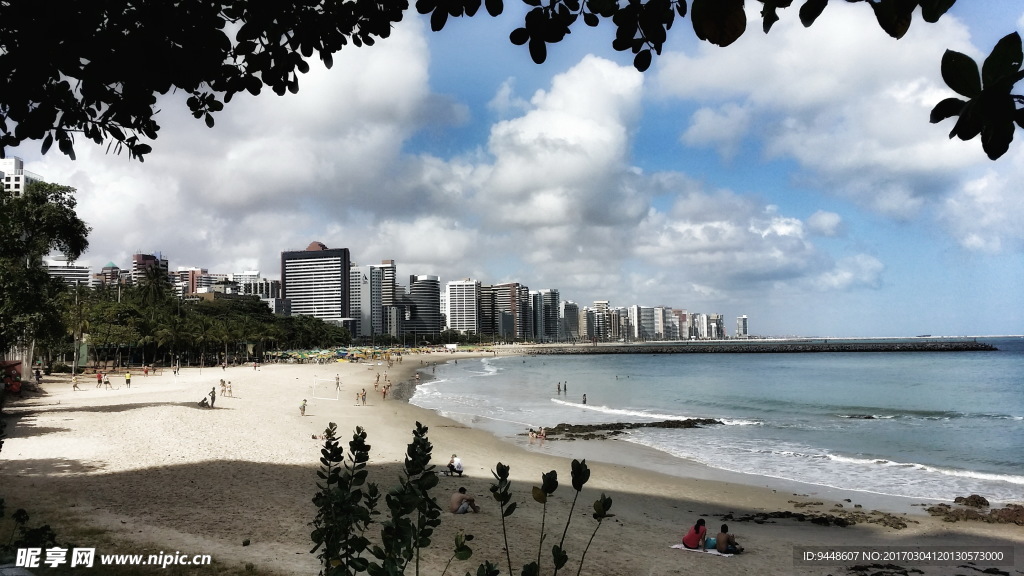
793,178
317,283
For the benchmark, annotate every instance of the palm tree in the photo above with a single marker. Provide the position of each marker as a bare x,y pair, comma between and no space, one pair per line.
204,330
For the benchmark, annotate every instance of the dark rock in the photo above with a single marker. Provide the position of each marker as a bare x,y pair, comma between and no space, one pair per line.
973,500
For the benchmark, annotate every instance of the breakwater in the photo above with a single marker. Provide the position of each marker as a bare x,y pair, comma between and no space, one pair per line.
768,347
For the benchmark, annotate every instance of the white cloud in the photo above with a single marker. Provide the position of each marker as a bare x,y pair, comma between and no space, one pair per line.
844,100
859,271
505,101
722,128
825,223
985,214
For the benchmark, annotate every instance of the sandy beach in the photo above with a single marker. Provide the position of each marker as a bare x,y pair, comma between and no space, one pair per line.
160,473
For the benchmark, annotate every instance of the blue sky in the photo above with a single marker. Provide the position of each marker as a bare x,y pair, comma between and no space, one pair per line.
793,177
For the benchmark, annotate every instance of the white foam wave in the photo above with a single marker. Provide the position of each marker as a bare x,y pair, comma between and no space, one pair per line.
650,415
1010,478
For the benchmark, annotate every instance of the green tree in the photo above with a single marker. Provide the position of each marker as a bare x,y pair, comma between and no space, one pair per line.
102,75
40,221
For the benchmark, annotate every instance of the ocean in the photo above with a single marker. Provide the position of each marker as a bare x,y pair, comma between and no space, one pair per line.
929,425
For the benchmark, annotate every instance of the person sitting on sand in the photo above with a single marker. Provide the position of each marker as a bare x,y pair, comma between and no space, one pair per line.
455,466
462,502
726,543
696,538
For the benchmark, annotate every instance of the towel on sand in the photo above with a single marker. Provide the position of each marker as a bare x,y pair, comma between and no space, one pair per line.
711,551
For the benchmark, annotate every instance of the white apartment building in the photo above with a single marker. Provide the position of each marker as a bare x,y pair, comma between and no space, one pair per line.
14,176
463,312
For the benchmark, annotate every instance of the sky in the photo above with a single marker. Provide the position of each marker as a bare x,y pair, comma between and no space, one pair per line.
791,177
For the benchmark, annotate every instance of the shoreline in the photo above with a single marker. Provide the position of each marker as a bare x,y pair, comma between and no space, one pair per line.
615,449
151,468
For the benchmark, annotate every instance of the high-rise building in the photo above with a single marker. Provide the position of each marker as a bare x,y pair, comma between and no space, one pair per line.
14,177
546,319
142,263
463,311
111,275
365,300
390,293
425,312
58,266
488,311
316,281
513,299
741,327
570,320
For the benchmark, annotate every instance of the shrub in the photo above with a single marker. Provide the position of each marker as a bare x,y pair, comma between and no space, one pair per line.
347,507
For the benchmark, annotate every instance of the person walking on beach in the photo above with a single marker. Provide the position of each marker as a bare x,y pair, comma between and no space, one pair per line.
99,379
74,383
363,396
337,382
213,396
302,408
584,398
127,379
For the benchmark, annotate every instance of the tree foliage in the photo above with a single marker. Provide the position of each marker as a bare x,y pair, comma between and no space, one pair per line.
40,221
96,68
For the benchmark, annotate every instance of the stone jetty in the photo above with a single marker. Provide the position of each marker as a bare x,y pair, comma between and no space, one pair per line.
768,347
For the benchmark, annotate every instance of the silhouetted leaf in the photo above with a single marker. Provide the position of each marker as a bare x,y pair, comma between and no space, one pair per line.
494,7
642,60
519,36
969,124
894,16
810,11
508,511
580,474
47,142
769,12
932,10
1004,62
558,556
946,109
590,19
996,138
538,50
540,495
960,73
438,18
719,22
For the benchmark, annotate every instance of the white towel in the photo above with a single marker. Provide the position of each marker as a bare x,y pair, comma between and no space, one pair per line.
711,551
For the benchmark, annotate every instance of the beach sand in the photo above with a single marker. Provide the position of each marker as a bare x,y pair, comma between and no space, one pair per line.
160,473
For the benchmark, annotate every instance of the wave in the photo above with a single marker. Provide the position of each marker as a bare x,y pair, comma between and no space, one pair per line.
802,463
987,476
651,415
874,413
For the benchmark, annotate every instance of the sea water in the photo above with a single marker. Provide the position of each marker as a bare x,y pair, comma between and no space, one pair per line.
931,425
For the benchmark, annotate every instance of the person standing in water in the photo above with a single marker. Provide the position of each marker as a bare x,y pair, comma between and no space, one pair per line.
584,398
